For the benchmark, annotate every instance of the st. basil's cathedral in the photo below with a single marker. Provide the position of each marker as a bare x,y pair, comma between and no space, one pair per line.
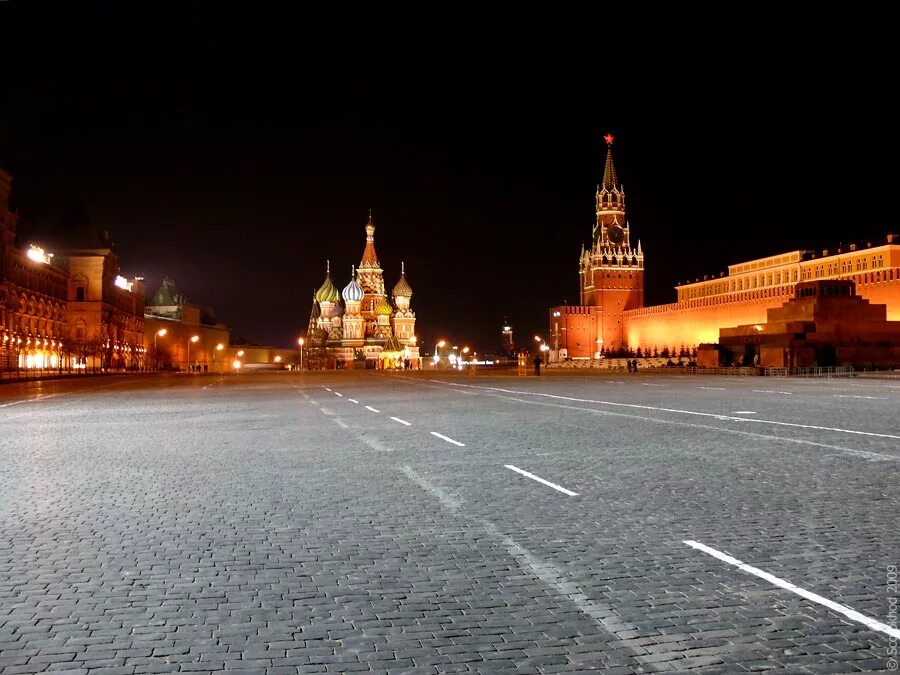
367,329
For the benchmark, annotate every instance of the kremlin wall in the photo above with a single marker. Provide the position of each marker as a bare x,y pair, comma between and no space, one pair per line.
611,316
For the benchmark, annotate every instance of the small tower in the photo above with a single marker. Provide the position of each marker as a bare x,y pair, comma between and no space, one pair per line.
314,315
371,278
354,324
506,337
328,298
383,312
404,319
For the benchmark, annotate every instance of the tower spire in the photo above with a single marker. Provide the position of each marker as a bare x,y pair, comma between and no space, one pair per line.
369,258
610,181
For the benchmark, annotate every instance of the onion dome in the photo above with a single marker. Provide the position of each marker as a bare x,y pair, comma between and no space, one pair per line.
384,307
402,289
353,292
327,292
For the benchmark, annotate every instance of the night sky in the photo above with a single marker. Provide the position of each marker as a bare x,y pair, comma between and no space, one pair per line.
236,152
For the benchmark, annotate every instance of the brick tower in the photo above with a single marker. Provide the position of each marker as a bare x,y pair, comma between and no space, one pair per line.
612,270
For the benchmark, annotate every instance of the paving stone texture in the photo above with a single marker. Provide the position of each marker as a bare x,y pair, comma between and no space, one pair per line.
262,523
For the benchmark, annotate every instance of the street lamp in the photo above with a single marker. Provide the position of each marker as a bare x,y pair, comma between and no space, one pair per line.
219,347
194,339
301,342
160,333
437,356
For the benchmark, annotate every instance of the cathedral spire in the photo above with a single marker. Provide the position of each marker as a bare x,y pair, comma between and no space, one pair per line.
610,181
370,258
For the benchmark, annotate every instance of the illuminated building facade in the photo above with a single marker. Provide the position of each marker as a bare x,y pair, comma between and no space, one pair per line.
366,329
179,336
611,279
33,295
612,316
825,324
105,310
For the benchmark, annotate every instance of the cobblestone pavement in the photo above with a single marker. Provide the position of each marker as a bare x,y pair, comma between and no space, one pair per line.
360,521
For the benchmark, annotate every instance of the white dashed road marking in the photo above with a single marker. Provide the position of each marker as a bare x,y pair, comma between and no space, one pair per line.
871,398
802,592
448,439
397,419
772,391
341,423
336,393
352,400
368,407
714,388
541,480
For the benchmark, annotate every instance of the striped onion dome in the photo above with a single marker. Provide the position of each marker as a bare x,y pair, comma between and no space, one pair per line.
353,292
327,292
384,307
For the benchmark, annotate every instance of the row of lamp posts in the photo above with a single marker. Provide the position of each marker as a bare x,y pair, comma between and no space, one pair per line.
194,339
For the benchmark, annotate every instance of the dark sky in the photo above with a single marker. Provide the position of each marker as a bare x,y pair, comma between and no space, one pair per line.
235,148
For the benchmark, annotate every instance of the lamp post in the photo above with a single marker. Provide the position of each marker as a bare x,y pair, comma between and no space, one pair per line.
160,333
194,339
437,356
301,342
219,348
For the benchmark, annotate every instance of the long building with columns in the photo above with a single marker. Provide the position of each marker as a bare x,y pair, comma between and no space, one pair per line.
366,329
611,316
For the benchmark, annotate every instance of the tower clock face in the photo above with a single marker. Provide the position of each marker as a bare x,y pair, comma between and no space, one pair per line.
615,234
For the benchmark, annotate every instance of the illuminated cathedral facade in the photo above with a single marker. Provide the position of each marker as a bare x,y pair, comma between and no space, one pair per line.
361,326
611,317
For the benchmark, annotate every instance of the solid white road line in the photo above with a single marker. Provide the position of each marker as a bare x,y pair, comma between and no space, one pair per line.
341,423
448,439
30,400
368,407
802,592
352,400
680,411
397,419
336,393
541,480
